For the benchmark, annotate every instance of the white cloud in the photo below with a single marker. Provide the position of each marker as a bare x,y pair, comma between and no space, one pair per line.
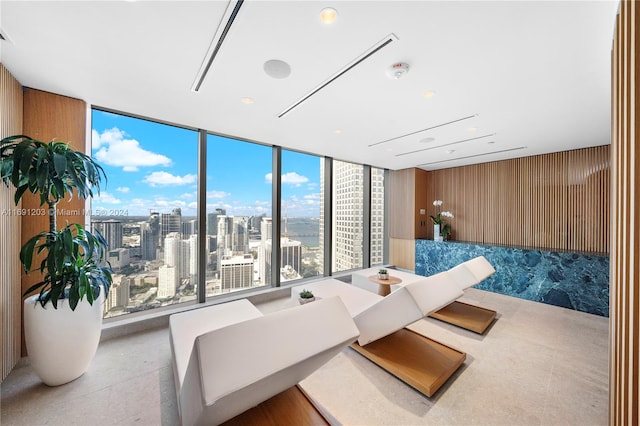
290,178
106,198
217,194
116,150
165,179
312,199
123,189
188,195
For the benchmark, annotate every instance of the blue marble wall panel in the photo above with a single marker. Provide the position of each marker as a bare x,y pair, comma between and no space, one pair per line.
571,280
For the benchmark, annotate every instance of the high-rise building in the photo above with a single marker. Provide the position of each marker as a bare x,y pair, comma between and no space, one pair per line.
290,255
118,258
212,221
193,258
377,216
189,227
149,237
347,212
118,293
111,230
233,236
266,227
167,281
177,253
170,222
236,272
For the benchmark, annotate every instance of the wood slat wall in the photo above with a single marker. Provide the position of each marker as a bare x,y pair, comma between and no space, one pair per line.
556,201
10,290
624,357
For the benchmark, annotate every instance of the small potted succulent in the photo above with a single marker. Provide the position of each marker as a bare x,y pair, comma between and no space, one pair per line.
306,296
383,274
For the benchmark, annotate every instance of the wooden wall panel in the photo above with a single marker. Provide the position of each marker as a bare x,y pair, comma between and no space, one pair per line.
402,193
402,253
49,116
10,226
422,223
624,357
557,201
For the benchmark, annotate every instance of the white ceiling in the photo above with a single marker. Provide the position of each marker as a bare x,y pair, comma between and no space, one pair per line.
533,76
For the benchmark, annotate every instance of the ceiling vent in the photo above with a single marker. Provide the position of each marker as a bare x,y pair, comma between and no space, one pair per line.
423,130
229,16
446,144
373,49
473,156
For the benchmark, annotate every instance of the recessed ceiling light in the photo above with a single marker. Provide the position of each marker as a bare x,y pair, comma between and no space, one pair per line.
337,131
277,69
328,15
247,101
491,142
450,151
427,140
429,94
472,129
389,149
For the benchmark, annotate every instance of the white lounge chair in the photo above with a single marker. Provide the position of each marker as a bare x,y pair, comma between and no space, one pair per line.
417,360
229,358
465,275
470,317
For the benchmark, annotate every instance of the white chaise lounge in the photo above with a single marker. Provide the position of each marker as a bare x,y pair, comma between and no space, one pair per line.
470,317
465,275
417,360
229,358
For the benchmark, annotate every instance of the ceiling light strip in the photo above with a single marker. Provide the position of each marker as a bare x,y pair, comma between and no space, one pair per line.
446,144
473,156
375,48
423,130
215,45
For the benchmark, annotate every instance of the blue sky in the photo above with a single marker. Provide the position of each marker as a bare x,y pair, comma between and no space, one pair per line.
153,166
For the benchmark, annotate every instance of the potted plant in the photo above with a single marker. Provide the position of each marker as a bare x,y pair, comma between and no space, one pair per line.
306,296
61,332
441,230
383,274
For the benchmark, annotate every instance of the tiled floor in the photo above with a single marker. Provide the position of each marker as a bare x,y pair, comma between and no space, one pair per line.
537,365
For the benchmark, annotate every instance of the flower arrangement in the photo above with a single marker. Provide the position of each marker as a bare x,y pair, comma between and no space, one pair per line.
438,219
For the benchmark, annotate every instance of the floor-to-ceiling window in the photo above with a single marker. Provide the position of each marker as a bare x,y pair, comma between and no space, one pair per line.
146,211
301,256
239,176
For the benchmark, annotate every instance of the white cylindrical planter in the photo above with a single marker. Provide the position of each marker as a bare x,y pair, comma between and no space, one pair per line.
436,232
60,342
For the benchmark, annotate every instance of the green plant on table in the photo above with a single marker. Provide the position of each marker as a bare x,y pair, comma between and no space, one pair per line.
306,294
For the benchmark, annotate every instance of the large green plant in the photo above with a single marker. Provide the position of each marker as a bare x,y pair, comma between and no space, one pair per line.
73,257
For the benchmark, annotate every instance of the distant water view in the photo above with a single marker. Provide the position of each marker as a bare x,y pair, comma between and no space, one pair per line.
303,229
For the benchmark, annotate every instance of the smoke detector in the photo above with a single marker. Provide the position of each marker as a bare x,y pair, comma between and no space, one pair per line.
398,70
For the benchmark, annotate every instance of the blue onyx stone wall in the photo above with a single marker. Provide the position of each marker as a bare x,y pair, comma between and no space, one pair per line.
571,280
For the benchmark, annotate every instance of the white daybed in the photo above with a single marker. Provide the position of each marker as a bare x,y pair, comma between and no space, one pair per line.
229,358
465,275
417,360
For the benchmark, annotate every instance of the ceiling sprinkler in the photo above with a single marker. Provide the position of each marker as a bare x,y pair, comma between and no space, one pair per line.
398,70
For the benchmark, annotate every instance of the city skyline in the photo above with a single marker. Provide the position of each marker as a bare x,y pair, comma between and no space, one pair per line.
153,167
